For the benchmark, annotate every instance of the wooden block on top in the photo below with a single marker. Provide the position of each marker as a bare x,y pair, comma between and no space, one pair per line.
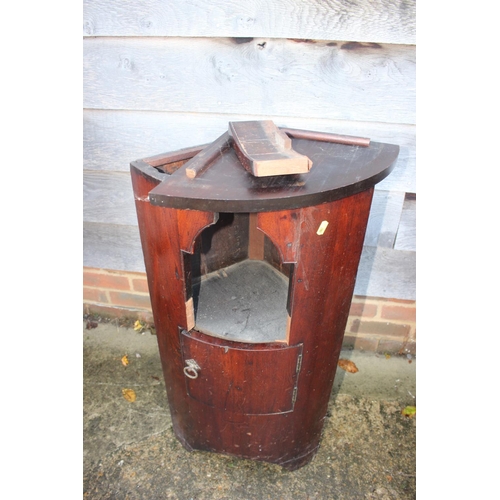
264,150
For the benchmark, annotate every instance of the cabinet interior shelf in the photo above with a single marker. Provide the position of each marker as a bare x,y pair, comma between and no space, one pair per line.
244,302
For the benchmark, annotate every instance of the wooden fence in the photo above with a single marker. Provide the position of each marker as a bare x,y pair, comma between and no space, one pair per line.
161,75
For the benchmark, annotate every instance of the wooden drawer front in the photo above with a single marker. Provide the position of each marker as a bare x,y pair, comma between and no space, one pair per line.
249,381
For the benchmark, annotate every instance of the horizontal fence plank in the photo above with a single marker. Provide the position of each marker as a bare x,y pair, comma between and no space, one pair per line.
385,215
407,231
382,272
383,21
334,80
108,197
110,246
386,273
112,138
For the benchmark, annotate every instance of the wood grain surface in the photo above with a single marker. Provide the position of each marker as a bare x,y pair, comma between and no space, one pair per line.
333,80
264,150
366,20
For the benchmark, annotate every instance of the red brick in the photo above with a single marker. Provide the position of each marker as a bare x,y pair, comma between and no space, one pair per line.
130,300
94,294
381,328
140,285
362,309
399,313
110,281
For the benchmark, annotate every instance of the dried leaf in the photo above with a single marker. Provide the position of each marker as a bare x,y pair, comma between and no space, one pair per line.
142,326
129,395
125,360
91,324
409,411
348,366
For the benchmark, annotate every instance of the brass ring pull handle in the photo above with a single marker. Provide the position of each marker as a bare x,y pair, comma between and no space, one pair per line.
192,368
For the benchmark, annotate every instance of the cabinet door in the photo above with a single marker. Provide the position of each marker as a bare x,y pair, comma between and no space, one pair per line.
253,381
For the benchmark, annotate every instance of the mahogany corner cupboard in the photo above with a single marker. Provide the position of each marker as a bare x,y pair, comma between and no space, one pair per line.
251,265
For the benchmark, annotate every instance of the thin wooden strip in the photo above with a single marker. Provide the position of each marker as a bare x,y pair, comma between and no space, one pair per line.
255,240
199,163
327,137
175,156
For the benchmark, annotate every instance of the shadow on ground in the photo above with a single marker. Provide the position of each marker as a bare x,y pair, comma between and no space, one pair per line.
130,451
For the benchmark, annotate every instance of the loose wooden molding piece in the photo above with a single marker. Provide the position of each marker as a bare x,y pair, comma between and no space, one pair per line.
264,150
348,140
199,163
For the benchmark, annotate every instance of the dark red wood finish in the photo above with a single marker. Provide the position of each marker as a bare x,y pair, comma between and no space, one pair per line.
258,401
233,379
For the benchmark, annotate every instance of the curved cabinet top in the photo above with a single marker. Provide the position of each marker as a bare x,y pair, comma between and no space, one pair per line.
337,171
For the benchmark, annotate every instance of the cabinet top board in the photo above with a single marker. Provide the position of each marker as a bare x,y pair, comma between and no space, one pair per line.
215,179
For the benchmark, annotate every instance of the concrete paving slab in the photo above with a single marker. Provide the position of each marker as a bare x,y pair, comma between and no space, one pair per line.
130,451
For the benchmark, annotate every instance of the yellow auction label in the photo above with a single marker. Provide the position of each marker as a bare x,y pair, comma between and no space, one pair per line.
322,228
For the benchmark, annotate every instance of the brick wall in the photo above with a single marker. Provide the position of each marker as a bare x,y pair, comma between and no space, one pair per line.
382,325
116,294
374,324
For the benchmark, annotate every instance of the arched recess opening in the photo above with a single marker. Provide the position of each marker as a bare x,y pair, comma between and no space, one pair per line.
239,286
